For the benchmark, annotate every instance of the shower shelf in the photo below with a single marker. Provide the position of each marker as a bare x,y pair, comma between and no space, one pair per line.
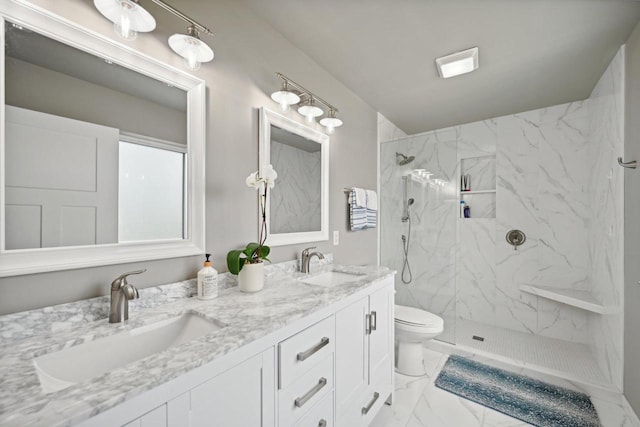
580,299
478,192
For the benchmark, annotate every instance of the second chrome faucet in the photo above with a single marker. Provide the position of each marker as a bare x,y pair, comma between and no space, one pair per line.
306,258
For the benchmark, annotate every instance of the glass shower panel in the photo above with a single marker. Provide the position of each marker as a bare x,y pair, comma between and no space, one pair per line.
418,239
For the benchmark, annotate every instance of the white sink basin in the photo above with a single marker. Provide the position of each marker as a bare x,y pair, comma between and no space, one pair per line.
332,278
61,369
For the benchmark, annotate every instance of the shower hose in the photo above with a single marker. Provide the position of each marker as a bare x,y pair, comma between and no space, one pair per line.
406,268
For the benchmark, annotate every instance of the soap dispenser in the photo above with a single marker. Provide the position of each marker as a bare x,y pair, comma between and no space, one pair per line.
207,281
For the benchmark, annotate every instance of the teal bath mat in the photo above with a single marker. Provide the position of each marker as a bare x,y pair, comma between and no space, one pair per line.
518,396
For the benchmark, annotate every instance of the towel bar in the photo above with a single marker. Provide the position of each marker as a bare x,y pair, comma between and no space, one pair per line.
631,165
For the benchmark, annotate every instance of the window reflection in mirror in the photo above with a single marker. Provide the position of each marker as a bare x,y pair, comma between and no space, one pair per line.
296,199
66,114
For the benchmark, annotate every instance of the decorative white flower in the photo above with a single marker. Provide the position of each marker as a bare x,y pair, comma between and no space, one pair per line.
253,181
269,175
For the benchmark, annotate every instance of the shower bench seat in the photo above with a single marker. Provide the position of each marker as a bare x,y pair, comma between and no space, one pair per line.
576,298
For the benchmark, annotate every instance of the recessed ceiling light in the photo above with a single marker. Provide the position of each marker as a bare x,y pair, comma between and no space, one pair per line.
458,63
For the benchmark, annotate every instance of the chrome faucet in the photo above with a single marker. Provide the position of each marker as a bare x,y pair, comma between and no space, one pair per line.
121,293
306,258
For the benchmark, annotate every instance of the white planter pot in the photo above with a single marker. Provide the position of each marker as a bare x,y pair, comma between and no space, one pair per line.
251,277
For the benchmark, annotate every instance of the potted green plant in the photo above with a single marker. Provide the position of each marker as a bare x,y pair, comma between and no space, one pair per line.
248,263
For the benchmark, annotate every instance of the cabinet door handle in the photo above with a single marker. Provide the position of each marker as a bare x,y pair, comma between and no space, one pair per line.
374,320
304,399
366,409
367,324
322,423
304,355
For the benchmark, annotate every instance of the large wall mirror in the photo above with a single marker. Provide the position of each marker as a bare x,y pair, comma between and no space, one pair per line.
298,205
102,150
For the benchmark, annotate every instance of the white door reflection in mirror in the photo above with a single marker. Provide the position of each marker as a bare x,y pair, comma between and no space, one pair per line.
298,205
295,200
61,179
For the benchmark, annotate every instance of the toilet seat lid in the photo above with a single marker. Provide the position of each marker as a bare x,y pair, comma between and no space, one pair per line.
416,317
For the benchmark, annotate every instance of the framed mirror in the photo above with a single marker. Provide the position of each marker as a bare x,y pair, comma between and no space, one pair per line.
102,149
298,205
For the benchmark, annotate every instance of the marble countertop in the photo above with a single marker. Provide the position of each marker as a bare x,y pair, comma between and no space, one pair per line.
248,317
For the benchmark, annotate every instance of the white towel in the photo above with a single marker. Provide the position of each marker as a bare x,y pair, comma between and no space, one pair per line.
372,209
372,200
357,211
361,196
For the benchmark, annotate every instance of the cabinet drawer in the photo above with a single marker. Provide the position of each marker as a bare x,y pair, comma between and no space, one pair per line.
320,415
297,399
299,353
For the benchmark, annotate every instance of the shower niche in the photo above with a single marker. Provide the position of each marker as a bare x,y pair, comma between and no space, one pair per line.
477,186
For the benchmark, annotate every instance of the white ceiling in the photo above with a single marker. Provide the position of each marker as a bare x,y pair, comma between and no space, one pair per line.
533,53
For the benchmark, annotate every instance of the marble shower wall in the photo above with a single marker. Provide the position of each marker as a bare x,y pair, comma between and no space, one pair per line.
295,200
606,234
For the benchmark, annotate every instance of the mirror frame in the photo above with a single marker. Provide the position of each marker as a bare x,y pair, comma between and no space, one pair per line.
268,118
28,261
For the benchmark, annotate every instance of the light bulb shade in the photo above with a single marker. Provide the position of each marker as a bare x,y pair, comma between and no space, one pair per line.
285,97
333,122
128,16
192,49
310,111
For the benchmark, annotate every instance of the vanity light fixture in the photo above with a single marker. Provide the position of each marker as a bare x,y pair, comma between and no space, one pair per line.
331,122
129,18
191,48
285,97
310,111
458,63
292,93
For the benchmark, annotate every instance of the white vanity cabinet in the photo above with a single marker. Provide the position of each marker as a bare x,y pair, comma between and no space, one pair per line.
332,368
364,357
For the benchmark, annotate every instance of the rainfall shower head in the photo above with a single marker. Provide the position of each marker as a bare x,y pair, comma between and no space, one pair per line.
404,160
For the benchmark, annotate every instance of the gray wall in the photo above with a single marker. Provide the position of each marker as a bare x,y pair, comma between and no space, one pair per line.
632,224
239,81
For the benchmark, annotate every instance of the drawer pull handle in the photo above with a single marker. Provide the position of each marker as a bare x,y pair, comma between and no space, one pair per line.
374,321
367,324
304,399
367,408
307,354
322,423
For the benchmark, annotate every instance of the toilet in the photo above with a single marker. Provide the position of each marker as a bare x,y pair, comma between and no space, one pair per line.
413,327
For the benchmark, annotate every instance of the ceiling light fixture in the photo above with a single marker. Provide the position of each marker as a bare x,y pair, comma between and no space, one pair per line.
458,63
292,93
129,18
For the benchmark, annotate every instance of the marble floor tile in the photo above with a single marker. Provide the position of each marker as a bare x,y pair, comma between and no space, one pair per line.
419,403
